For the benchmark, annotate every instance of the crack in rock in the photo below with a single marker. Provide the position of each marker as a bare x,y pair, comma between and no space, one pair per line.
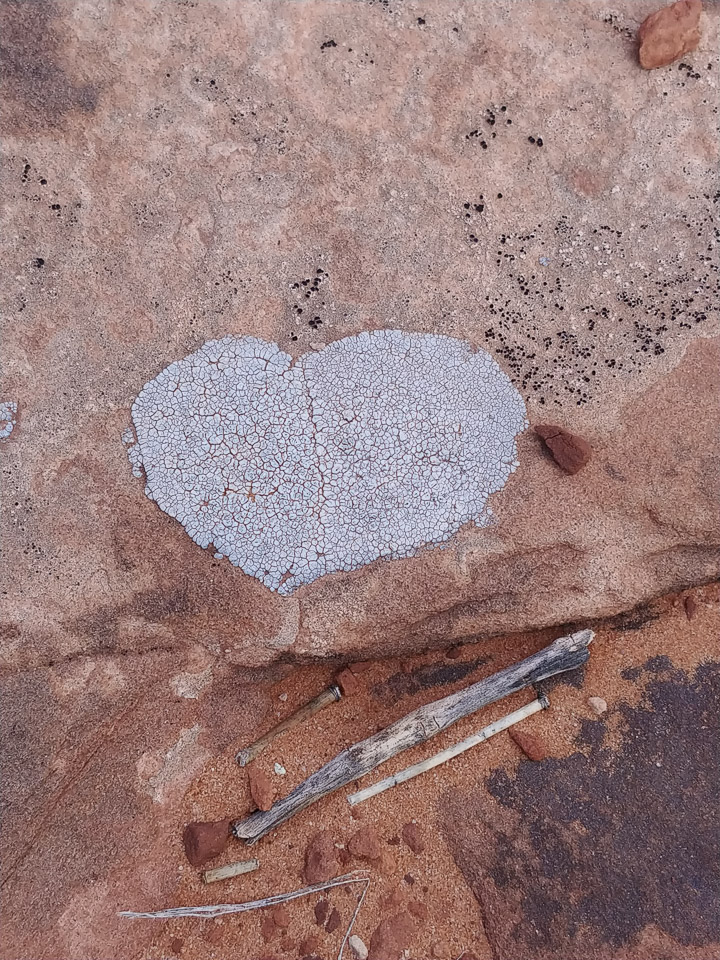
373,447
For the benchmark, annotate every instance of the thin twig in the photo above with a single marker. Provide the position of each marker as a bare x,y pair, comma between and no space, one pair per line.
352,920
221,909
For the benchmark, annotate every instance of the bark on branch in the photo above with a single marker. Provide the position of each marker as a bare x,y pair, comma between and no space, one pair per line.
565,653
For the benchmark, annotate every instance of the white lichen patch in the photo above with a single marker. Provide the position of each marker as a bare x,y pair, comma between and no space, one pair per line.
373,447
8,418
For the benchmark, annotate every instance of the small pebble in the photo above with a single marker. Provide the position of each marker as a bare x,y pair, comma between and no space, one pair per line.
412,835
280,770
321,912
360,951
531,746
597,705
333,921
283,697
690,607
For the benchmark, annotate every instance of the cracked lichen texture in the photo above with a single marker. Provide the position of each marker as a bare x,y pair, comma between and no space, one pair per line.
8,415
374,447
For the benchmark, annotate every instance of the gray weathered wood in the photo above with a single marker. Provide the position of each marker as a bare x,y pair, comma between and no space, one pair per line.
565,653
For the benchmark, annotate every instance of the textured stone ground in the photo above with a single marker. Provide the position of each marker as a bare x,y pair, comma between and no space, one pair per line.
608,848
175,172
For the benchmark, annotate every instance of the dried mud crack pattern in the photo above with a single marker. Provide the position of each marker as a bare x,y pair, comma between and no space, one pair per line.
374,447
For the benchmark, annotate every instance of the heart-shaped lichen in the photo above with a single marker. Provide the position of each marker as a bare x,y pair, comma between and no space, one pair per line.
373,447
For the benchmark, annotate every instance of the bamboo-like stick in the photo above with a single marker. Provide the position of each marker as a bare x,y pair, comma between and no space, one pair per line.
565,653
331,695
542,703
230,870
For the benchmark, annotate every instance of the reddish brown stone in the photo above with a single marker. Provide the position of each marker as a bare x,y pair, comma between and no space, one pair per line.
309,945
344,856
392,937
409,879
412,835
321,860
570,452
419,910
204,840
531,745
268,928
333,921
262,790
394,901
669,33
454,653
690,607
357,813
281,916
348,682
176,944
288,945
393,841
213,933
365,844
360,667
321,911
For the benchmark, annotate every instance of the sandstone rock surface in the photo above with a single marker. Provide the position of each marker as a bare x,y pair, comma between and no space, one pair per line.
669,33
591,281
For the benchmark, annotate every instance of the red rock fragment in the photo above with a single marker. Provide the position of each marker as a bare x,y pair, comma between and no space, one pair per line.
531,746
419,910
268,929
570,452
321,861
394,901
365,844
309,945
454,653
392,937
333,921
213,934
690,607
321,912
262,790
669,33
204,840
412,835
360,667
348,682
176,944
281,916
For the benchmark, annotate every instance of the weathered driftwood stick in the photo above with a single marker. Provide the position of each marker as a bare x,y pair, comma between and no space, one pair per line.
222,909
331,695
439,758
230,870
565,653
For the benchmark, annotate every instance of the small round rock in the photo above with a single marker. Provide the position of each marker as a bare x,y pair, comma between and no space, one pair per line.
359,950
597,705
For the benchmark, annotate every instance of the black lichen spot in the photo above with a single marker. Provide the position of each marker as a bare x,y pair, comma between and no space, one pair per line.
327,43
38,262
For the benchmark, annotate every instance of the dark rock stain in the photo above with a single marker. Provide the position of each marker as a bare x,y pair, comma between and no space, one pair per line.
595,848
424,678
37,92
